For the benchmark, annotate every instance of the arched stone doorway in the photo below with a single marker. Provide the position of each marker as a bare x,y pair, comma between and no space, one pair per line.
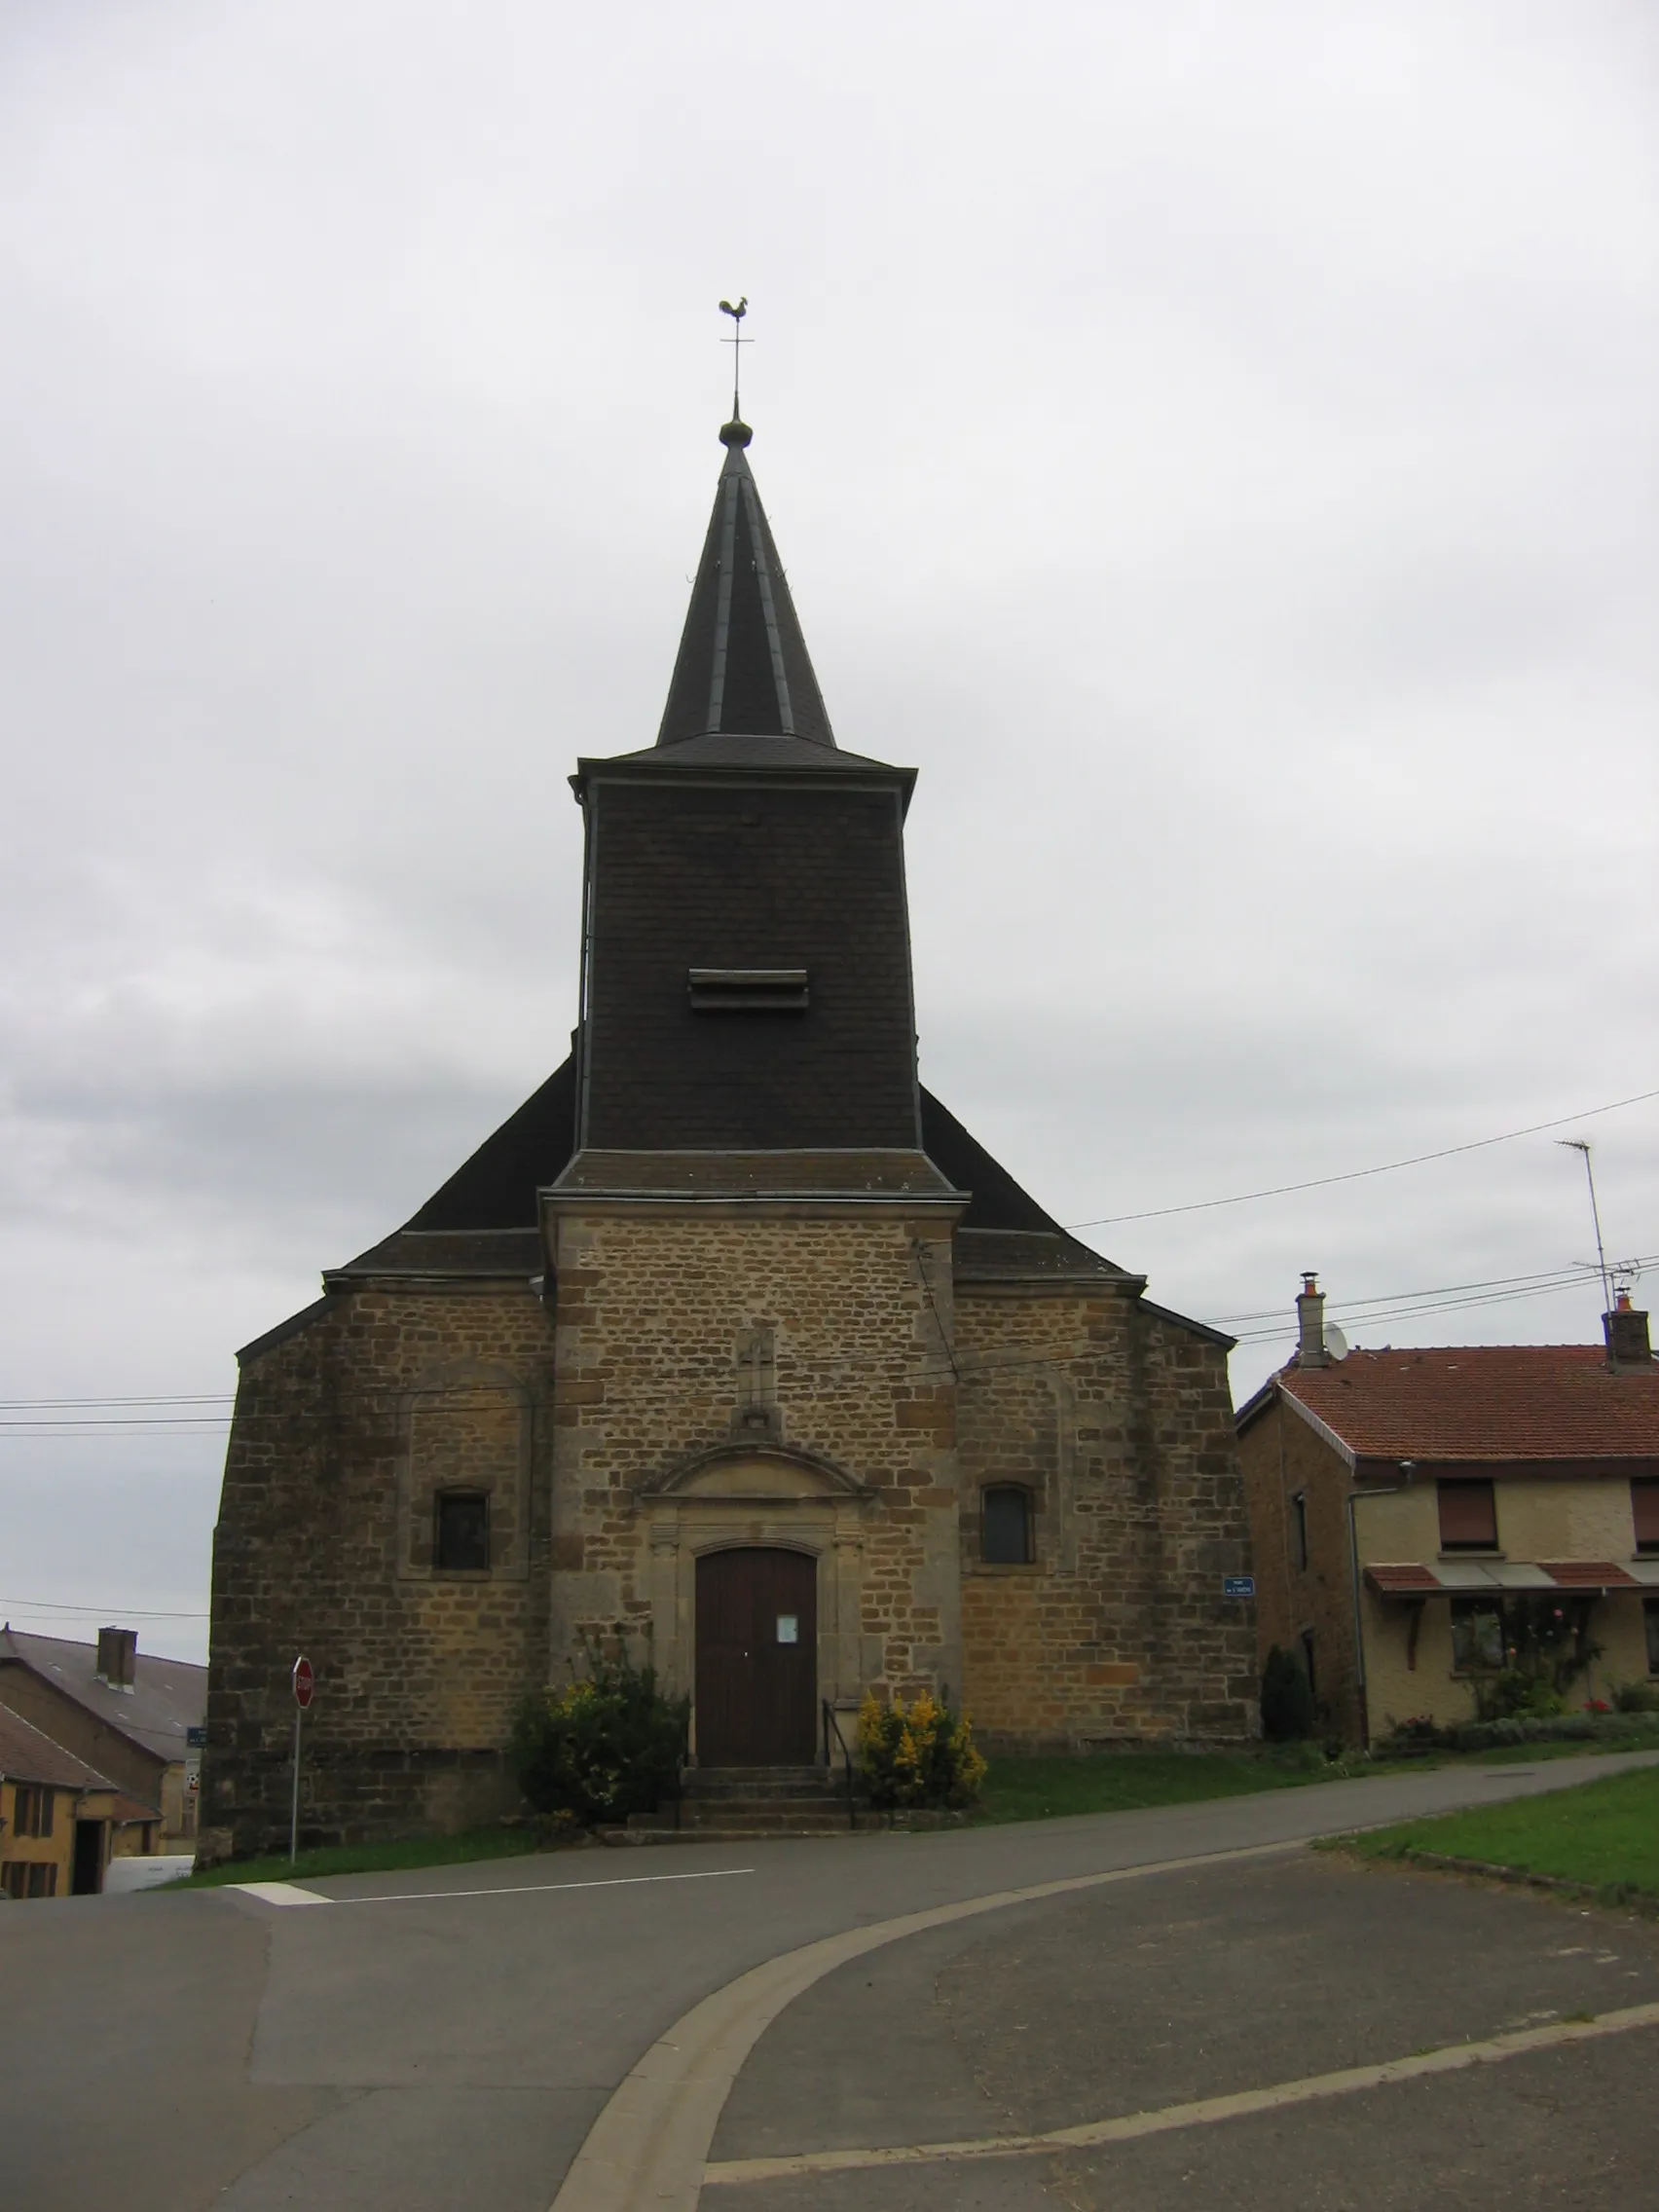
780,1505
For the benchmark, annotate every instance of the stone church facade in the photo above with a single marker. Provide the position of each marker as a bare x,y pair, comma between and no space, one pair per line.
732,1335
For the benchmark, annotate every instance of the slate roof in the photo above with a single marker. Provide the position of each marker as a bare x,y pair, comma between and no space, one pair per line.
743,666
1483,1402
496,1189
462,1225
167,1695
27,1755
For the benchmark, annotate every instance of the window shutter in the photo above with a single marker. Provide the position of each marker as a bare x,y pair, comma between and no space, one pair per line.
1469,1515
1644,1507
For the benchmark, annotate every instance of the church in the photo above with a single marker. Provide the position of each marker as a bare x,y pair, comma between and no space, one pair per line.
731,1338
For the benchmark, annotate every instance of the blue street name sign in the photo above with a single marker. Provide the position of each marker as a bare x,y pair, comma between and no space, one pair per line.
1239,1585
196,1738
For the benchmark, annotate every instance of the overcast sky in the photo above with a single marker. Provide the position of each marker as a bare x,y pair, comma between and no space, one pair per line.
1215,444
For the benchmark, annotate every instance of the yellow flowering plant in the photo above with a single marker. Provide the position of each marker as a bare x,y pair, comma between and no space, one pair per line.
920,1753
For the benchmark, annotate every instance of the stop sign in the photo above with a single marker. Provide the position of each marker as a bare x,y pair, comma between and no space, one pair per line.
305,1683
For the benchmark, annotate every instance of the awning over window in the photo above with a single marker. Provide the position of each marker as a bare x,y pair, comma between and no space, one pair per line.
1465,1578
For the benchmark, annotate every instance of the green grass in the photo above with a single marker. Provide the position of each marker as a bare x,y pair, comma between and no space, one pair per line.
1118,1782
368,1858
1602,1834
1015,1790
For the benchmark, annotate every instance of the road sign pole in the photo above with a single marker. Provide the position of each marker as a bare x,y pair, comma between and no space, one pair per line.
294,1817
304,1679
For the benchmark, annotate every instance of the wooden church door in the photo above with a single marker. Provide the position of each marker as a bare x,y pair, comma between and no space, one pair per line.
756,1686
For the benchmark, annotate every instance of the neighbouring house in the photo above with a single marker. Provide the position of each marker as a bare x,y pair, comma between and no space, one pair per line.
732,1334
128,1715
61,1820
1420,1518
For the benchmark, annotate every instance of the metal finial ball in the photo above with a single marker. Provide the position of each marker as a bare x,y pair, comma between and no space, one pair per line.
735,433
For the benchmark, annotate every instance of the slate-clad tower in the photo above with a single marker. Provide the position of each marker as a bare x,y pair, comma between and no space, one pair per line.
746,975
732,1335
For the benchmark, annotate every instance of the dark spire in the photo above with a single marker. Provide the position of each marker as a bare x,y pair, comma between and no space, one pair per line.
743,664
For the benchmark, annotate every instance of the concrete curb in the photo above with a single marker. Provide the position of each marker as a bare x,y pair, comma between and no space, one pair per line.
1623,1894
647,2149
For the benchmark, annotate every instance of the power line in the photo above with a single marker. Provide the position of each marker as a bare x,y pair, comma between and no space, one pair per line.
1377,1309
1359,1174
108,1613
1560,1278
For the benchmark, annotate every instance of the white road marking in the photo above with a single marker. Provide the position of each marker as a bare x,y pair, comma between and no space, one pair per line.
540,1889
1201,2112
284,1893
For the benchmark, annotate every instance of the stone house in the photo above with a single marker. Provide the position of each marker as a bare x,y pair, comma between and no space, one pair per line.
129,1713
732,1335
60,1821
1412,1511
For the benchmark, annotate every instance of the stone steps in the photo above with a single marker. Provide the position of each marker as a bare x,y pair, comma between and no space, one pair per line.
759,1782
726,1804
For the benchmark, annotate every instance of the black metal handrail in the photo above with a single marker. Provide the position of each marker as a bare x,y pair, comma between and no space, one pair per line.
832,1721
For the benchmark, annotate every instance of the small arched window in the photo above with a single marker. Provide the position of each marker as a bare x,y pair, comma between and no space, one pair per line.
1004,1525
461,1533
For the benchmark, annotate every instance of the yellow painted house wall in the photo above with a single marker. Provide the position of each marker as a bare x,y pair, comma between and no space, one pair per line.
1537,1519
55,1850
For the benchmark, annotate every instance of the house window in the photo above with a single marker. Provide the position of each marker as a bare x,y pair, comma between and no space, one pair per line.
1645,1511
29,1878
32,1810
1005,1525
462,1539
1477,1635
1306,1639
1650,1609
1299,1528
1468,1517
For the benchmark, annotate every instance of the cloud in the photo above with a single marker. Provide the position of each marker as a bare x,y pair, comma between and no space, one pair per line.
1213,447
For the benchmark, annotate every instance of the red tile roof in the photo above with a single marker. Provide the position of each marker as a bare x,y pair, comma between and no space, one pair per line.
1483,1402
1598,1574
1402,1581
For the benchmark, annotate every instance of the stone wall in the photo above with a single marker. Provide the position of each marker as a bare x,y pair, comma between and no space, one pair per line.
345,1428
657,1310
1282,1458
793,1372
1120,1425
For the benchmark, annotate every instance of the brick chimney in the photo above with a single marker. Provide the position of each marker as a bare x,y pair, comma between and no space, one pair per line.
1311,1325
118,1657
1625,1331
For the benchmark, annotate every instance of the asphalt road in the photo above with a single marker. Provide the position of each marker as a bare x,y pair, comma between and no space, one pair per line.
448,2038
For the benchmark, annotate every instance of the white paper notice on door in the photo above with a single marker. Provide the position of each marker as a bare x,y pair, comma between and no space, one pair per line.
788,1628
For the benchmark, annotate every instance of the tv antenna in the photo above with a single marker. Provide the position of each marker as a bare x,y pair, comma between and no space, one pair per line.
737,340
1581,1144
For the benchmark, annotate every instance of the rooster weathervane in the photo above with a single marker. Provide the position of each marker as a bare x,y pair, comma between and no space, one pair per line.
737,340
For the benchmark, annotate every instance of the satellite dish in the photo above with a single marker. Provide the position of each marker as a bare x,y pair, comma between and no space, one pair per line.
1335,1344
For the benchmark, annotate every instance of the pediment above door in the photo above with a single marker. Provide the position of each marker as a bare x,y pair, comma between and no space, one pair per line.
750,1474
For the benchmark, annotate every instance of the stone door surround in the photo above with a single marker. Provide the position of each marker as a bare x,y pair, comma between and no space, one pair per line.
769,1496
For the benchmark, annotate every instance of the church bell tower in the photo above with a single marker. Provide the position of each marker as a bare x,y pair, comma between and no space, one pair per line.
746,958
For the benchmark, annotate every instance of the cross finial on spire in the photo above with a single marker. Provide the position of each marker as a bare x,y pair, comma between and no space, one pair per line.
736,432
